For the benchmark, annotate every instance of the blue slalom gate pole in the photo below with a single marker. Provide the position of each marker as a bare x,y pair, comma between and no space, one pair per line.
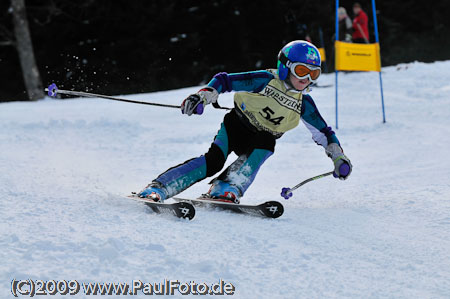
335,57
336,104
382,99
375,23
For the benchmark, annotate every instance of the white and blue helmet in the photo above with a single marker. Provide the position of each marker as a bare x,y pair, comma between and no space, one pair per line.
298,51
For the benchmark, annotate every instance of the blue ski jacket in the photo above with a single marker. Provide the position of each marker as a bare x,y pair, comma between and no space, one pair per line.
269,104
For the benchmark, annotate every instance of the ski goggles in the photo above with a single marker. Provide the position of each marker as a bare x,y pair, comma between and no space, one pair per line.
301,70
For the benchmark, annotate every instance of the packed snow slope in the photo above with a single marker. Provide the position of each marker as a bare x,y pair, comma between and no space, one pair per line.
65,166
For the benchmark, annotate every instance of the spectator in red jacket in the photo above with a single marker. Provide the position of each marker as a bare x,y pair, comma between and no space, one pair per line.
360,25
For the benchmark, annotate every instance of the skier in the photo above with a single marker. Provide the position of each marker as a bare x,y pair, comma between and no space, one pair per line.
267,104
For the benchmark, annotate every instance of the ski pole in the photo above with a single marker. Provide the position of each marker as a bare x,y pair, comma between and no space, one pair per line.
286,192
53,90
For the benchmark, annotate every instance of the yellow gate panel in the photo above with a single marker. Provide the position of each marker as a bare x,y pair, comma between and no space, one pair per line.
357,57
322,54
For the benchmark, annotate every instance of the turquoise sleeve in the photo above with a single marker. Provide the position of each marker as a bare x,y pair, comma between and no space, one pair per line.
253,81
322,134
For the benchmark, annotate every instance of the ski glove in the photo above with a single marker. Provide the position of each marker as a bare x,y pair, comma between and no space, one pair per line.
195,103
342,164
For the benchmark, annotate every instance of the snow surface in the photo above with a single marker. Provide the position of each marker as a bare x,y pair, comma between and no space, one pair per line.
383,233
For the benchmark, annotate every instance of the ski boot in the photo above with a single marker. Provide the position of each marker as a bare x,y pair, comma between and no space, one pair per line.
223,191
154,191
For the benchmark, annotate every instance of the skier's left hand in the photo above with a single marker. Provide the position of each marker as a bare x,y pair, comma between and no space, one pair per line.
342,164
195,103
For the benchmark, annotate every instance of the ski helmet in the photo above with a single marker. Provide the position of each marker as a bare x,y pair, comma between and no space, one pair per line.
297,51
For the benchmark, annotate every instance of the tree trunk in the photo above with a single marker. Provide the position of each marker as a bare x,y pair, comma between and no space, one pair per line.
24,47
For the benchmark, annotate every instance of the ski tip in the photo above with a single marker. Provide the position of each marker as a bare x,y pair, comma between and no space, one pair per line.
273,209
186,210
52,90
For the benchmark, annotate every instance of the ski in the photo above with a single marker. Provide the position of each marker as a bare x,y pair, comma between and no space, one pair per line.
178,209
270,209
322,86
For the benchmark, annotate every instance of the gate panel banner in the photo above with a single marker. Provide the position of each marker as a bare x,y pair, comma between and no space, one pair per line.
322,54
357,57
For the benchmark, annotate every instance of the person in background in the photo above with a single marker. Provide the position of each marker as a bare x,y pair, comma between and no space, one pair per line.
360,25
345,25
302,32
296,28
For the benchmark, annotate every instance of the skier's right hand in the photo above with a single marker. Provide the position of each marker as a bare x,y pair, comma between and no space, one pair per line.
195,103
